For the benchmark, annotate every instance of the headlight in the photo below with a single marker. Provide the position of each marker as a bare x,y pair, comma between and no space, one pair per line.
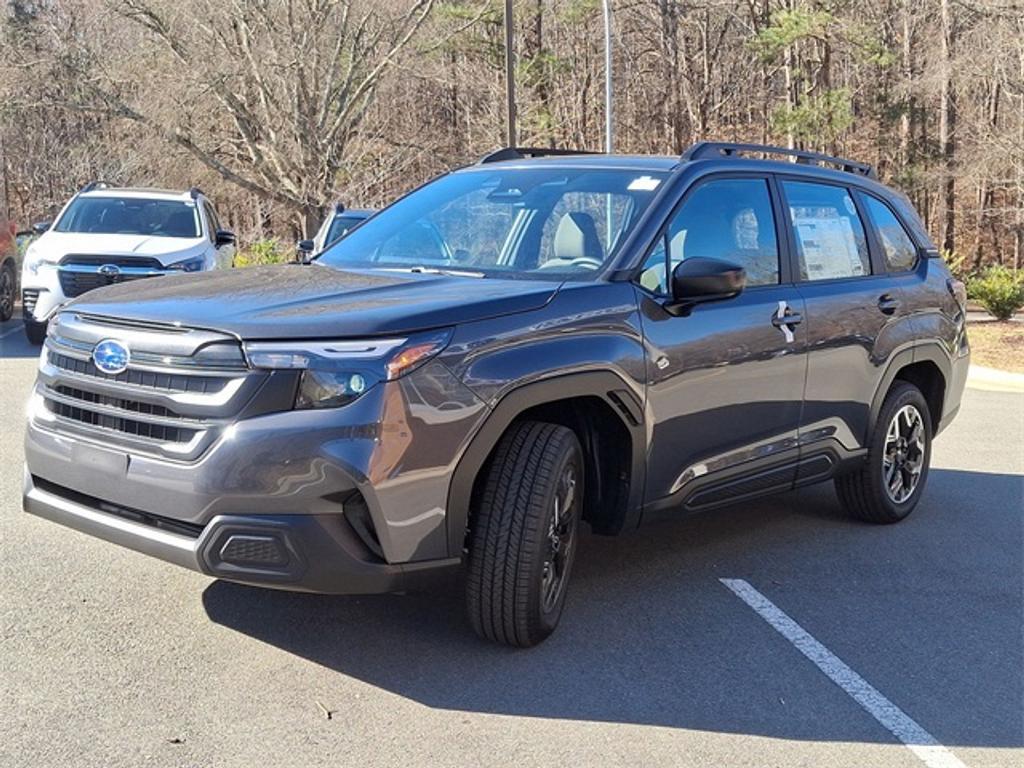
335,373
324,389
35,258
188,265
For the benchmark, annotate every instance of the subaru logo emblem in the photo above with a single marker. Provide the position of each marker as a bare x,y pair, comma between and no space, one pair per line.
111,356
109,270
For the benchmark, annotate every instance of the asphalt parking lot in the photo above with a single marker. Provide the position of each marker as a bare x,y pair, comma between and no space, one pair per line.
108,658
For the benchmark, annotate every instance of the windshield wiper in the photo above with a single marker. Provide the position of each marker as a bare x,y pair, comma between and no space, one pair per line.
435,271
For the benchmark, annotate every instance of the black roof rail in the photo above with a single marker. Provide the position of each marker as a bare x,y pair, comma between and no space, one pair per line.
339,207
93,185
521,153
703,150
195,192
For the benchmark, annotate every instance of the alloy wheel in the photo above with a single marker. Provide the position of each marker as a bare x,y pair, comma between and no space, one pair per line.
561,540
904,454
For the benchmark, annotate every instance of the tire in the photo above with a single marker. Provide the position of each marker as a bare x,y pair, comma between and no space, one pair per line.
519,560
8,288
35,332
867,493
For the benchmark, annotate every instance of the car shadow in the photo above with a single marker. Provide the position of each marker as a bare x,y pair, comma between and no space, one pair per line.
651,637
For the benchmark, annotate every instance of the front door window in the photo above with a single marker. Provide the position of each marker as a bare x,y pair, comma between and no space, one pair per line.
726,219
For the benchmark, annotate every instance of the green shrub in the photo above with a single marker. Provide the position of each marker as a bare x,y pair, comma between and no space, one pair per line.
999,289
958,265
266,251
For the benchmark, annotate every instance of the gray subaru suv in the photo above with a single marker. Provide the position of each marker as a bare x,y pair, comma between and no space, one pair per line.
517,348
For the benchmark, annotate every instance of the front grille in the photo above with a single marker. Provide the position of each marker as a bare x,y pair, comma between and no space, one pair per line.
169,382
94,398
177,396
76,283
93,260
157,432
29,297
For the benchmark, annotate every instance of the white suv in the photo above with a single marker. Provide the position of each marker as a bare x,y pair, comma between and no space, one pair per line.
108,235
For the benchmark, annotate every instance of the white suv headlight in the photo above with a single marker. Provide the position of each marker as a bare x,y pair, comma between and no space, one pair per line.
194,264
35,258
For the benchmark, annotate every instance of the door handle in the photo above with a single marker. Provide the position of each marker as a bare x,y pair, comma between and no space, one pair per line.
784,319
888,304
789,318
786,316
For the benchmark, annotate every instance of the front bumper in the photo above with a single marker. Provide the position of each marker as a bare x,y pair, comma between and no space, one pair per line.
311,553
345,500
394,447
191,457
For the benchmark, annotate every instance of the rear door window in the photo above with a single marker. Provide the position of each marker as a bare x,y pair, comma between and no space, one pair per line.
829,235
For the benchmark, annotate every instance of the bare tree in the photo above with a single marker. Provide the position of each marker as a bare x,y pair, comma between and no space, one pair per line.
278,106
282,86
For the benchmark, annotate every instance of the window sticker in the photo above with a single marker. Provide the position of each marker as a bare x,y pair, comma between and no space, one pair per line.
829,247
643,184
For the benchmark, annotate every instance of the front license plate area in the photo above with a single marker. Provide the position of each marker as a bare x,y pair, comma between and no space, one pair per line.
104,460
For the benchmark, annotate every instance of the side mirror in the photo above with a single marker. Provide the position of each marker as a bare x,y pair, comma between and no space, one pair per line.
304,251
224,237
697,280
41,226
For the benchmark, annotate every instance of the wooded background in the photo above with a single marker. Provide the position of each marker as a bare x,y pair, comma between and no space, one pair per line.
279,107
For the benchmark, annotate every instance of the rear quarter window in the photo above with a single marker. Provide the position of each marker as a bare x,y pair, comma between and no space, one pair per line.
897,246
912,219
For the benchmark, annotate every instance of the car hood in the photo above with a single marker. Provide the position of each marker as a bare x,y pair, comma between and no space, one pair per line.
167,250
314,301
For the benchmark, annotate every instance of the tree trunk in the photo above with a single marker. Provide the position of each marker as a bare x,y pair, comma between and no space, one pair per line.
909,103
310,220
1018,241
947,129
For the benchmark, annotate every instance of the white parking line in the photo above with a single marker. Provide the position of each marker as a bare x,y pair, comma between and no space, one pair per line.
9,331
894,719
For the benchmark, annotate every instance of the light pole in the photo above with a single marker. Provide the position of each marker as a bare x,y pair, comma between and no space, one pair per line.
607,76
608,143
510,77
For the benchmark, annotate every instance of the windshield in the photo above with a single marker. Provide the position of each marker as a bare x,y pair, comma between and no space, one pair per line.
541,223
340,226
131,216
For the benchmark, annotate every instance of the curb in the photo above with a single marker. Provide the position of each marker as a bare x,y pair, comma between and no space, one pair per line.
994,380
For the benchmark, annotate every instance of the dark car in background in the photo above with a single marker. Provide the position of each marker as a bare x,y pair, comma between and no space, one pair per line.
337,224
517,348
